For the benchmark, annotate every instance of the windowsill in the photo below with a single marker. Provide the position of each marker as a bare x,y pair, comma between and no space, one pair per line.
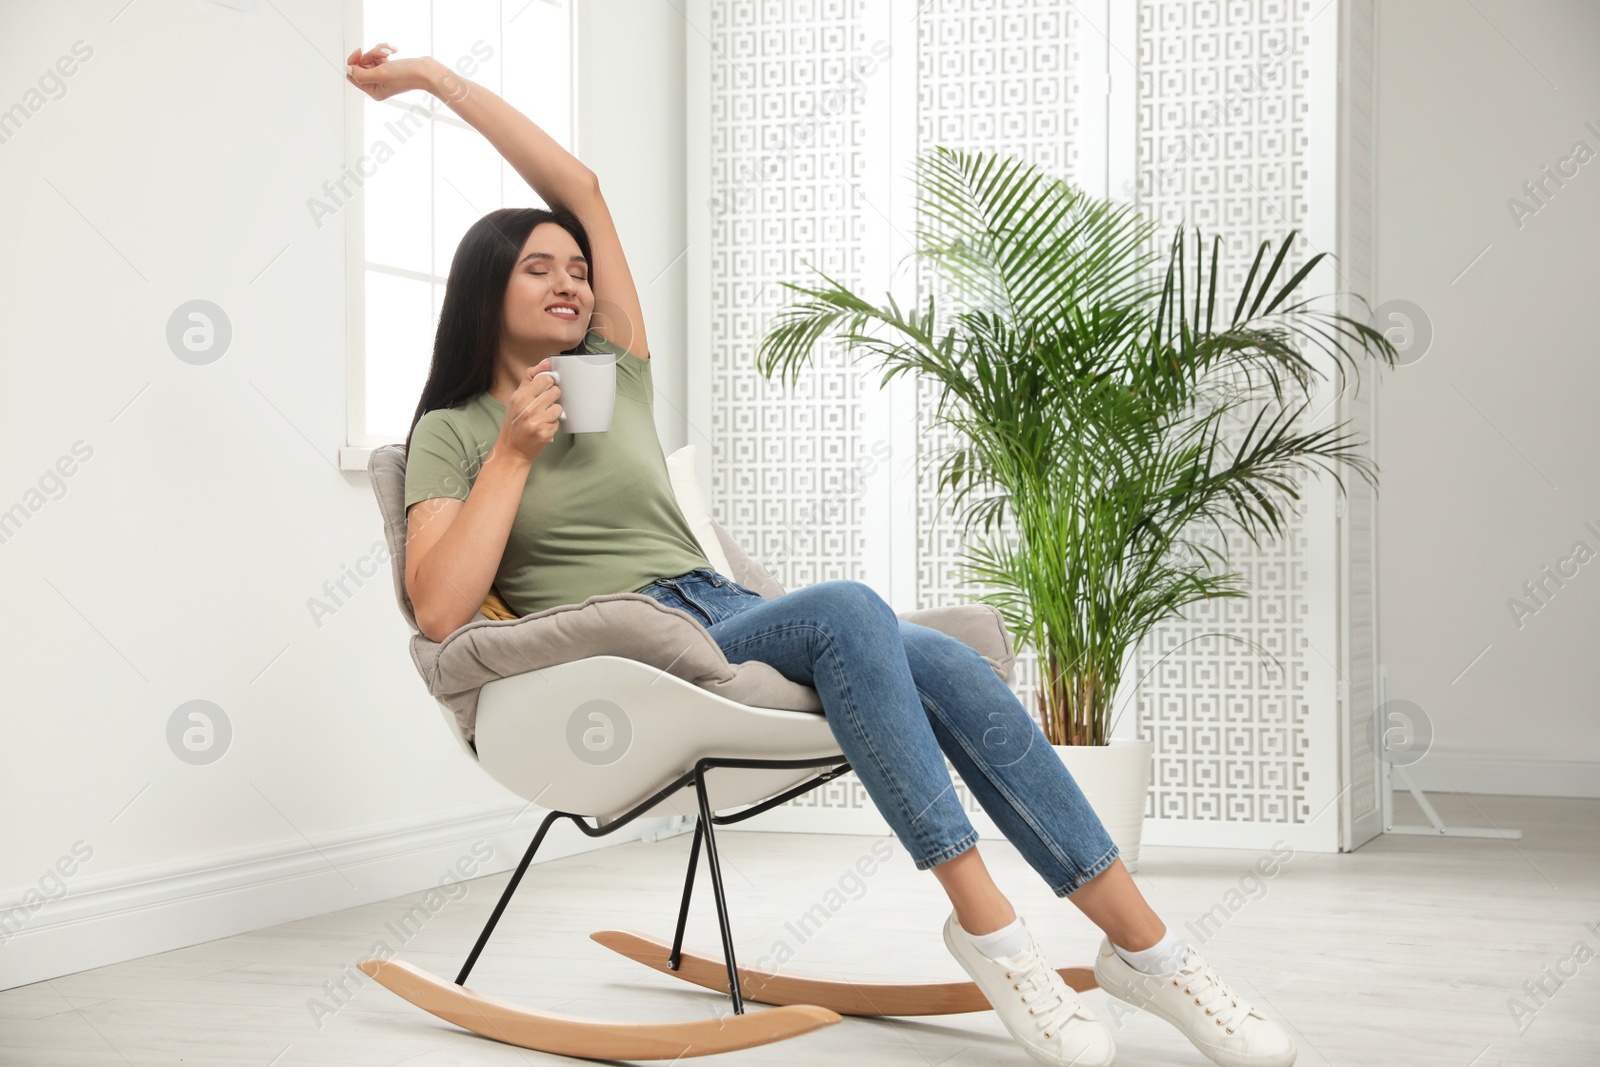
355,457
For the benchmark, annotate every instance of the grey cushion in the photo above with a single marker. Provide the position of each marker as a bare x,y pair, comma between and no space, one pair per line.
630,625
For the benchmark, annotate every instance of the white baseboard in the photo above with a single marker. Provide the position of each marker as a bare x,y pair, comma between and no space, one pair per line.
1462,770
128,914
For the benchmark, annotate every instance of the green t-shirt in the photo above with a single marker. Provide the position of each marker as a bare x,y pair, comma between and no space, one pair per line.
598,514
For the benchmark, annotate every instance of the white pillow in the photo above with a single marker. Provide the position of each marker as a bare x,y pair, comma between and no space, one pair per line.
683,466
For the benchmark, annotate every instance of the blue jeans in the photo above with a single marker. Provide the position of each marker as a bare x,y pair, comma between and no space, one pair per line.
896,694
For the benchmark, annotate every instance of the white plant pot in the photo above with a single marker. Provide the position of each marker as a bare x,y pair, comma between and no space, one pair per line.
1115,778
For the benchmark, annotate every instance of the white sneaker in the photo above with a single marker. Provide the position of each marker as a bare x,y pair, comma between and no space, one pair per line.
1040,1010
1223,1025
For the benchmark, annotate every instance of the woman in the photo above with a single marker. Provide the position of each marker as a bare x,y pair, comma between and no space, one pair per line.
496,499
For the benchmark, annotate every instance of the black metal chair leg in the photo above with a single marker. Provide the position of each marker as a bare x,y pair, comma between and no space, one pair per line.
702,827
511,887
716,889
688,889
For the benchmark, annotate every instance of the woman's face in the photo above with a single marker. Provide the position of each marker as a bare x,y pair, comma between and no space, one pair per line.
550,273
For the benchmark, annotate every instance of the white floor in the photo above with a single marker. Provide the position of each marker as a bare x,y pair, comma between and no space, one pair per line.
1407,951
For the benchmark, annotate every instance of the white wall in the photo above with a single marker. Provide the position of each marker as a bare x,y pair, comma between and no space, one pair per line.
631,133
205,506
1487,445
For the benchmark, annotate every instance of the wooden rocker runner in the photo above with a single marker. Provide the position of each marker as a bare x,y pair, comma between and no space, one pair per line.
616,709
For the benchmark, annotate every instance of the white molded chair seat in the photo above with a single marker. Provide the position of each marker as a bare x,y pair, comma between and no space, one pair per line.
657,724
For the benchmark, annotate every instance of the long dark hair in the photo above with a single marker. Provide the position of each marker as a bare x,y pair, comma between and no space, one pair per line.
467,341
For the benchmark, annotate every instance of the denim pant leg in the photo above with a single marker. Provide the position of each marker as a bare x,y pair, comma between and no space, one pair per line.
1006,760
843,640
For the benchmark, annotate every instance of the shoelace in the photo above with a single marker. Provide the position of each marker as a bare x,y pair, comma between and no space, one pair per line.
1210,992
1053,1004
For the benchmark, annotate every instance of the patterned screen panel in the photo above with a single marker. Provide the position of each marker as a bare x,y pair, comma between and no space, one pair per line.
788,144
987,81
1223,145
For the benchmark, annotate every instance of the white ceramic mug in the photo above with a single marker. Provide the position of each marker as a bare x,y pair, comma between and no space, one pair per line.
588,390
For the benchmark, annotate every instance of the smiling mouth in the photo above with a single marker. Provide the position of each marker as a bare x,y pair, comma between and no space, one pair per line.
561,313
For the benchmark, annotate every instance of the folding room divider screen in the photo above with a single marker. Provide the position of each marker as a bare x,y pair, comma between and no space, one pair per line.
804,117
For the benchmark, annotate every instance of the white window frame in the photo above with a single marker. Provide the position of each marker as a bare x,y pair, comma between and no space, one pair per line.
354,454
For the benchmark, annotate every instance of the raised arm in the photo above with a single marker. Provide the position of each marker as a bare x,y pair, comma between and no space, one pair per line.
555,174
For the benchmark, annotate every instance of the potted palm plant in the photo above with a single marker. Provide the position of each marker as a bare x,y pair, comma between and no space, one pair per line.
1111,424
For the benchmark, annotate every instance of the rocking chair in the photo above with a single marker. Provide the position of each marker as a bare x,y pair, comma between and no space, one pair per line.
619,708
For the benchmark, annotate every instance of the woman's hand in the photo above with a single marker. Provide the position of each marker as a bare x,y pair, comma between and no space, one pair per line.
534,415
380,77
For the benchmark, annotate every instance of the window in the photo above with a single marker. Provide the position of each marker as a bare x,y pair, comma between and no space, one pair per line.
419,176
